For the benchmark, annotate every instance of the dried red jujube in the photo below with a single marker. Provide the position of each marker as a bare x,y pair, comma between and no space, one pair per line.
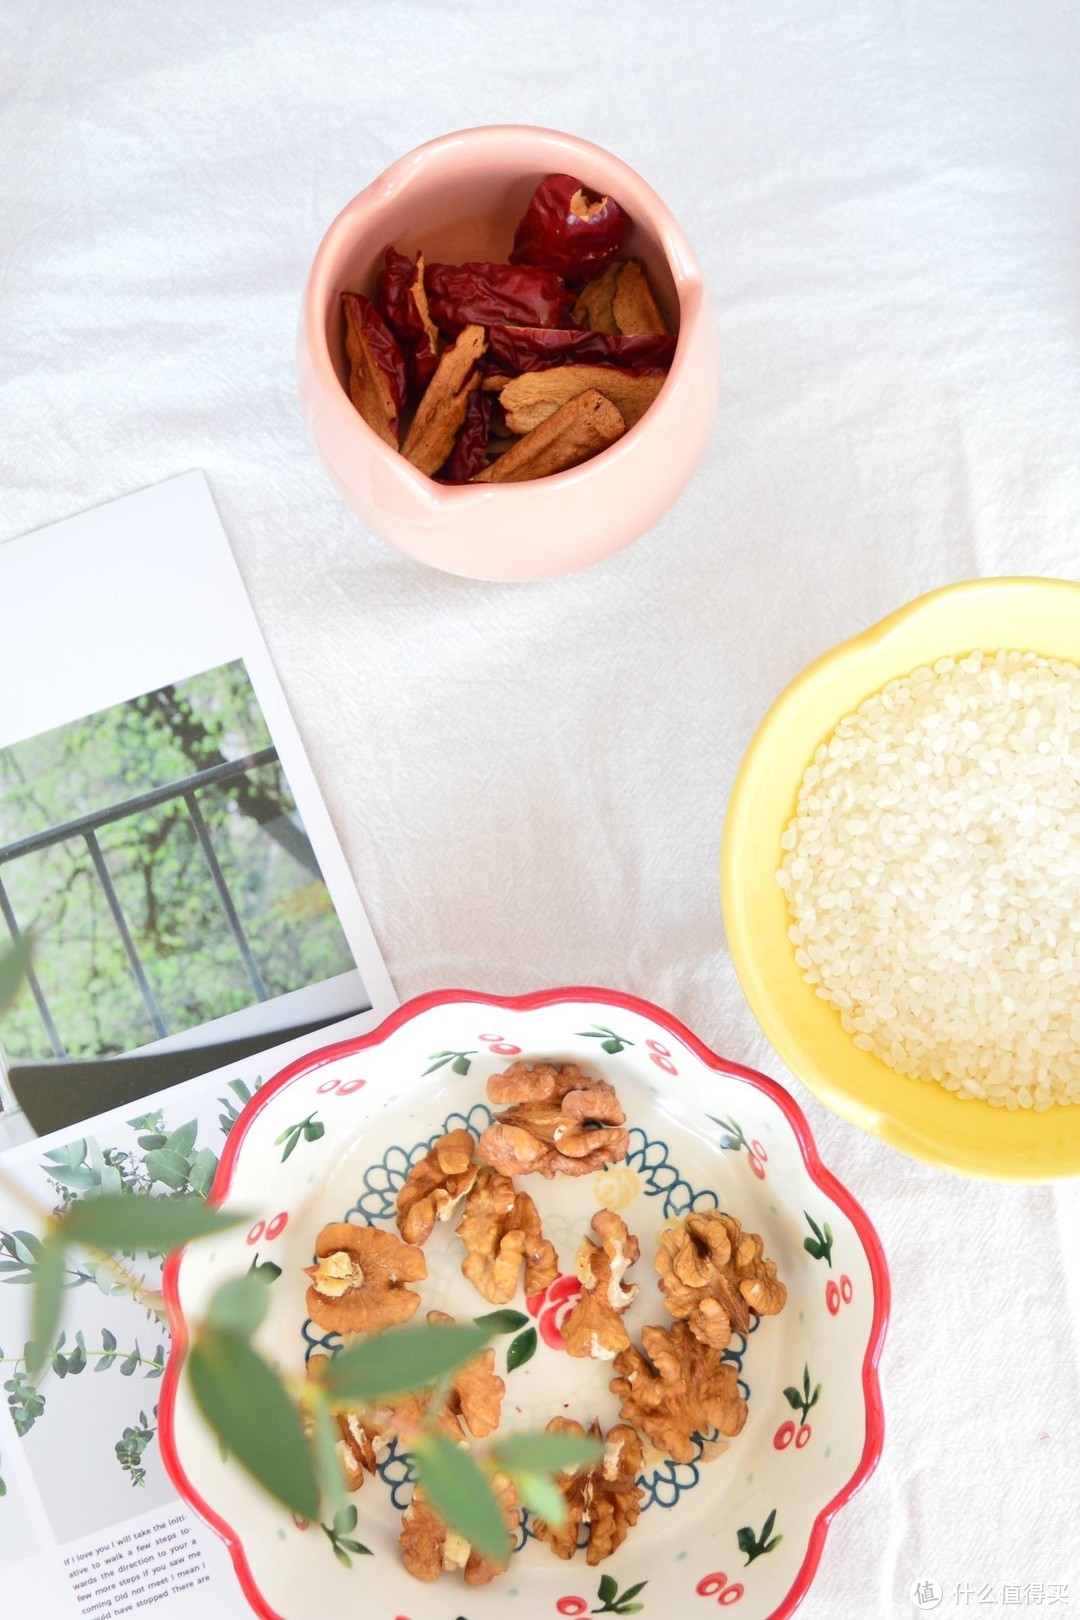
533,348
569,230
483,293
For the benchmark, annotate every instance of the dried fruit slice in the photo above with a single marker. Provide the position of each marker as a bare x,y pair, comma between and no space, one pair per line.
528,399
581,428
441,412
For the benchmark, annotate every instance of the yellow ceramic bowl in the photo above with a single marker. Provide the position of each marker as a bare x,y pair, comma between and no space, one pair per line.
919,1118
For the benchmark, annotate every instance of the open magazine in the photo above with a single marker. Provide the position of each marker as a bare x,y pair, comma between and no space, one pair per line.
195,929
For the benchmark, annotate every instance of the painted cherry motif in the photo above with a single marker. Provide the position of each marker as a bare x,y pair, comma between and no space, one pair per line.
784,1435
272,1228
734,1138
717,1585
552,1307
837,1294
572,1605
344,1088
661,1057
500,1045
801,1401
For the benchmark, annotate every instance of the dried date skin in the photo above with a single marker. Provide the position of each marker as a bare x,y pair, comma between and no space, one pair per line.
483,293
570,230
402,301
532,348
376,366
469,455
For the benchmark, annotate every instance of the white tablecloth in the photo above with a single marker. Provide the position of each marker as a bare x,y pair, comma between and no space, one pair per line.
530,781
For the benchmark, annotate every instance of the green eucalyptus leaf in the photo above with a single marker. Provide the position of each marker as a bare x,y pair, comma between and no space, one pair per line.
403,1360
502,1321
128,1366
203,1170
27,1247
548,1453
48,1293
77,1178
522,1350
461,1494
239,1305
166,1166
182,1140
112,1183
244,1402
14,963
540,1494
141,1223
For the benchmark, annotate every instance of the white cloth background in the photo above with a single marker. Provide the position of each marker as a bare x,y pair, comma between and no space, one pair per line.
530,781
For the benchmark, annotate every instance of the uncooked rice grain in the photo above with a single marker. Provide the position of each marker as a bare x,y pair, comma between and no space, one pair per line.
932,871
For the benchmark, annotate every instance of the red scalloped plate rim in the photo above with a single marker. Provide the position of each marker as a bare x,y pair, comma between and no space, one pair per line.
823,1178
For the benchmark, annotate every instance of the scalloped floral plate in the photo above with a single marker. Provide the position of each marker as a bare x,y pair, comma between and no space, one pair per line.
742,1525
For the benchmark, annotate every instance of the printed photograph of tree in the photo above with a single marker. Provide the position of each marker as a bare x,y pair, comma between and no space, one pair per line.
157,854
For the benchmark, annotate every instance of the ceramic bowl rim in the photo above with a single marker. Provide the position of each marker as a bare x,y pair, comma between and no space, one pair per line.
744,943
796,1119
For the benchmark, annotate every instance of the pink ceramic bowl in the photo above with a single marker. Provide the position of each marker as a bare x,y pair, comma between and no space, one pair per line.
457,198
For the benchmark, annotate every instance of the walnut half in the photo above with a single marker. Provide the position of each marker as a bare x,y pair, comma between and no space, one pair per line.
678,1388
429,1547
357,1284
714,1276
560,1121
594,1327
501,1231
606,1497
436,1185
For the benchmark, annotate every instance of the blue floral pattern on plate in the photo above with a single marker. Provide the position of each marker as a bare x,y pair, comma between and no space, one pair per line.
660,1178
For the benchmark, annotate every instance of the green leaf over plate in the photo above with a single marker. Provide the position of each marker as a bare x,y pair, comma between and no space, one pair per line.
242,1399
144,1223
403,1360
460,1492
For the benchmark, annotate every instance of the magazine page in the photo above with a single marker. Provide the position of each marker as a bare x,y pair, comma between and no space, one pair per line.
194,928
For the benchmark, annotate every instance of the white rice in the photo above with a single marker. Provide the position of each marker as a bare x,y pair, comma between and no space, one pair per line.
933,874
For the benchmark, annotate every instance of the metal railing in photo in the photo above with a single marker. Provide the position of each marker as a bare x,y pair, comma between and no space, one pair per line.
87,828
